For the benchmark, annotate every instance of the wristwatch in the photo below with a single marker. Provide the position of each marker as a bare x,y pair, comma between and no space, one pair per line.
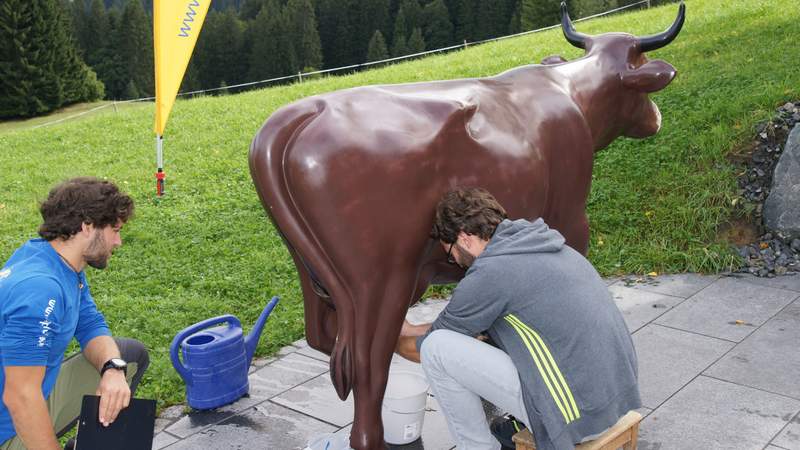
115,363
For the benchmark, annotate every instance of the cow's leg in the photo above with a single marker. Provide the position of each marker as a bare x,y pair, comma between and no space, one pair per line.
320,316
378,328
575,229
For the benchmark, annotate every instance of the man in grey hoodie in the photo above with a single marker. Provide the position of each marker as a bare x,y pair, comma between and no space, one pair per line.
564,361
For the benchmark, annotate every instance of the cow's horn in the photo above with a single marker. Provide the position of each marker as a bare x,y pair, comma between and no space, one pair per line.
575,38
656,41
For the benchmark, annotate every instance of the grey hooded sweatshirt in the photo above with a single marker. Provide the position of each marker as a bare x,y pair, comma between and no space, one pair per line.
546,306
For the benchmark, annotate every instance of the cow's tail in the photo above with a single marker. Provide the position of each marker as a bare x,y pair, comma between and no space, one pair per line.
268,152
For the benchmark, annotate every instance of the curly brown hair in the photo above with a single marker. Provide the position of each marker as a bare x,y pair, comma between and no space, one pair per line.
82,200
471,210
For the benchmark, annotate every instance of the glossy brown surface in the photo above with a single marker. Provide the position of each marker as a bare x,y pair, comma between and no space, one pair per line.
351,179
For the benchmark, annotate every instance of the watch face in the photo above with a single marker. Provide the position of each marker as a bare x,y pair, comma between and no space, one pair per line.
118,362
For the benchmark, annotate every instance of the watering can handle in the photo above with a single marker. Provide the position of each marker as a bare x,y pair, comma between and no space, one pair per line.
176,343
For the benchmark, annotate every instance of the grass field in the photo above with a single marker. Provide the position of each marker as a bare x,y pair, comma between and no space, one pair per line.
71,112
206,248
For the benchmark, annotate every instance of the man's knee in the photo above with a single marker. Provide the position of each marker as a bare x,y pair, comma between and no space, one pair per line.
133,351
435,346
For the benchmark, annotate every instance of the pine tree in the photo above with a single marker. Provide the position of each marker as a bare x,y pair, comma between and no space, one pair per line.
40,69
438,28
515,24
111,68
371,15
250,9
335,32
135,47
399,46
491,20
377,48
583,8
218,51
272,54
536,14
414,15
130,90
465,21
97,33
416,43
78,25
304,34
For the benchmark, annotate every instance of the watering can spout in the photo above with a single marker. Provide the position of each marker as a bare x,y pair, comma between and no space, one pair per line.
251,341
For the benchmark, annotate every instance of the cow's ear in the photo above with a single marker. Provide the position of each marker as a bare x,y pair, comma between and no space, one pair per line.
649,77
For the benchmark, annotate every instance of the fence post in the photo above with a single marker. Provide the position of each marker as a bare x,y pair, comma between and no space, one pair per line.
465,43
115,105
300,76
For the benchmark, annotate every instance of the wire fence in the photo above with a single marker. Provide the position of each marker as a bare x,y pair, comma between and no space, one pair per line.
353,67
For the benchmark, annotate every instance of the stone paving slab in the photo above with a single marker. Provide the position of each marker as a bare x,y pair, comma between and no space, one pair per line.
315,354
682,285
789,437
161,440
715,310
669,359
711,414
267,426
317,398
788,282
281,375
768,359
641,307
285,373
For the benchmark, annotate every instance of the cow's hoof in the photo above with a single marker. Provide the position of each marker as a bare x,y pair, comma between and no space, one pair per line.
363,440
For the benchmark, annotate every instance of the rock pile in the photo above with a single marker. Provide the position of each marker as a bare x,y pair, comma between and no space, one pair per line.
775,252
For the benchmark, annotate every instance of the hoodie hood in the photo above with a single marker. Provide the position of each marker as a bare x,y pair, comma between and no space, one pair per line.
523,237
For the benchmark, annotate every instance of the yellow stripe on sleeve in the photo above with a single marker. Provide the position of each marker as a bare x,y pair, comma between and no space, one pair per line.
572,406
545,377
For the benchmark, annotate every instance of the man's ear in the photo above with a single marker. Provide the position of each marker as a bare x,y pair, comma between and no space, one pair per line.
87,228
651,76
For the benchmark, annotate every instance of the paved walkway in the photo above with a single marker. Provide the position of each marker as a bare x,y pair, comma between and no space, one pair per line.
719,368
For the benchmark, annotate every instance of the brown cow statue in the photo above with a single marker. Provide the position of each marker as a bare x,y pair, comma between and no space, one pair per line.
351,178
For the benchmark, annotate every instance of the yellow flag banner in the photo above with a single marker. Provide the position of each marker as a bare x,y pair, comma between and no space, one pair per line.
176,25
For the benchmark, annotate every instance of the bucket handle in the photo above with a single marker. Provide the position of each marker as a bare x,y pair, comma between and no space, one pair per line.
176,342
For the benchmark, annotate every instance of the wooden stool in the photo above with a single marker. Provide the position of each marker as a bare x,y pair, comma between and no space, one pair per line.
624,433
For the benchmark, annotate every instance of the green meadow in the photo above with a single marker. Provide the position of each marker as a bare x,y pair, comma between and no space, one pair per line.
206,248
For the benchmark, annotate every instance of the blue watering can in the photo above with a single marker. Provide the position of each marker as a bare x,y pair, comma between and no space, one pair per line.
216,360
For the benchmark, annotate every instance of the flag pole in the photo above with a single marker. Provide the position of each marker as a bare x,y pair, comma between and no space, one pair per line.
160,175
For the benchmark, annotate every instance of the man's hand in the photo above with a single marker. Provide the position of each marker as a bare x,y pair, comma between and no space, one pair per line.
115,395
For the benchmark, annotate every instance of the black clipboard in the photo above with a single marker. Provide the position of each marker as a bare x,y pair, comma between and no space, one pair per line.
132,430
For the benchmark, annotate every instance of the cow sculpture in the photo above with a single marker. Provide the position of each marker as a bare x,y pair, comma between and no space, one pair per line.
351,178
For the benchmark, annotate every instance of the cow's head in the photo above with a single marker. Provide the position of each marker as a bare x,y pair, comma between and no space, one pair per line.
629,75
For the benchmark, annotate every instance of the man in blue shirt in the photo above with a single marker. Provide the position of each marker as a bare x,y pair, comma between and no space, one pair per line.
45,302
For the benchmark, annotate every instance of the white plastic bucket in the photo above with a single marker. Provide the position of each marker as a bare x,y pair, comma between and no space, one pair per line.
403,409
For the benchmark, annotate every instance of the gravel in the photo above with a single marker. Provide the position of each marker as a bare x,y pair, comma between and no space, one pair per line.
772,253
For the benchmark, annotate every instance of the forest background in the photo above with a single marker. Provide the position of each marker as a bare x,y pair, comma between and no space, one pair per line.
59,52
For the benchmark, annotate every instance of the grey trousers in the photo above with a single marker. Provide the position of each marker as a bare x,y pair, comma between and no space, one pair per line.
77,378
461,371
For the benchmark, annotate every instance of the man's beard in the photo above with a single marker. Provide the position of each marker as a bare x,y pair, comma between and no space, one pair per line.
97,254
465,258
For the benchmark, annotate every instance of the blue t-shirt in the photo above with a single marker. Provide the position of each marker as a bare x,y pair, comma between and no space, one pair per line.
43,305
